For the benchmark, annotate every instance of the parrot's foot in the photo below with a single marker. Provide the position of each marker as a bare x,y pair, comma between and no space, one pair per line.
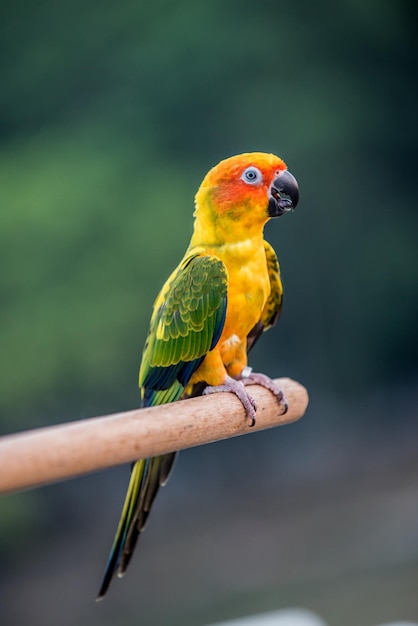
237,387
251,378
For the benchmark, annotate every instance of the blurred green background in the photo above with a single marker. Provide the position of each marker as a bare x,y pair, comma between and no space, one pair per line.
110,115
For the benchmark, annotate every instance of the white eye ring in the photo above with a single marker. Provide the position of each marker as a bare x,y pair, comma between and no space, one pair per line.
252,176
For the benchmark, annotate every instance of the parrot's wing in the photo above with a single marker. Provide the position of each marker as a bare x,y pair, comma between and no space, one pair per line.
273,307
187,323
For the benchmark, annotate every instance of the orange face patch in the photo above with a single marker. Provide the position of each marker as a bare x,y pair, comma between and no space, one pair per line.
228,187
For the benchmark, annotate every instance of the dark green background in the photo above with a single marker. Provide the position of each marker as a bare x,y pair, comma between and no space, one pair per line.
110,115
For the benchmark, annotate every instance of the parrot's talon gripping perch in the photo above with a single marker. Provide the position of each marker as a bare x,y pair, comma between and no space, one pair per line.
266,382
237,388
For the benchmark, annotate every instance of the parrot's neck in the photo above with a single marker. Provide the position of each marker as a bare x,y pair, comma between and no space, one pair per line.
214,229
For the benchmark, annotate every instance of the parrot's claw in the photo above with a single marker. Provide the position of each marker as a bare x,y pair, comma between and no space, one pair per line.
261,379
237,387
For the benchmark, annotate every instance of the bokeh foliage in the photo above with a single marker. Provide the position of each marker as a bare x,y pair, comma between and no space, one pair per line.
111,113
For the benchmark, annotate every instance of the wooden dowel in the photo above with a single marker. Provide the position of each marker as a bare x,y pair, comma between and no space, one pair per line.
58,452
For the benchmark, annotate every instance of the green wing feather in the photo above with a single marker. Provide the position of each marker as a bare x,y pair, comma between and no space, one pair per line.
273,307
186,324
187,321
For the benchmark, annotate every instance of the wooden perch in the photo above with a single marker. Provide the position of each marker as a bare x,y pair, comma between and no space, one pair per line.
50,454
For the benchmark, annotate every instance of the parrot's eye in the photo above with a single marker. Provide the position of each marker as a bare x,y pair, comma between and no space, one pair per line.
252,176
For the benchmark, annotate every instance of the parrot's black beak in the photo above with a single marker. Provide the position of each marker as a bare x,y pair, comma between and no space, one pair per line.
283,194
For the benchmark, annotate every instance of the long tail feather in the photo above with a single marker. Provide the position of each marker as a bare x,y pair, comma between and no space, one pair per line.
129,507
147,476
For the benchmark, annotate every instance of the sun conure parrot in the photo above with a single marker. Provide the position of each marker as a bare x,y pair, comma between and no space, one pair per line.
224,293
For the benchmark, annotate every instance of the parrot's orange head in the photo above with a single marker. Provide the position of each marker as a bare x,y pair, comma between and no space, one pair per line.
246,190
